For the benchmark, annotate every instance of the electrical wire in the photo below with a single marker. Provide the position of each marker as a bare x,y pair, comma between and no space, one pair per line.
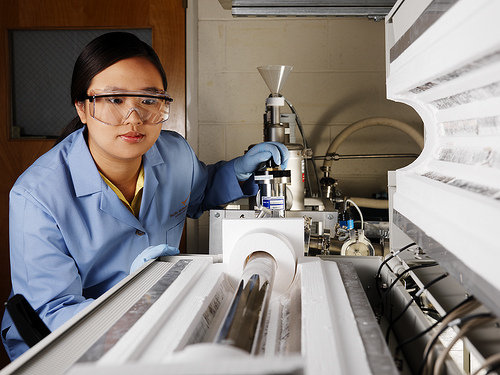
400,276
466,302
386,260
413,298
473,324
306,146
428,351
359,212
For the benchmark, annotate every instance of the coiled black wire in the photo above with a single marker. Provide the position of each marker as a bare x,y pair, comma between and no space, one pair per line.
386,260
414,297
380,305
430,328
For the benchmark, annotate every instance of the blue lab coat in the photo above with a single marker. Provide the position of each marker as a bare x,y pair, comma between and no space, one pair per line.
72,239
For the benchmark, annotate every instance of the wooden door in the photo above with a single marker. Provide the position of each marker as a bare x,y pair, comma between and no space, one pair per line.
166,18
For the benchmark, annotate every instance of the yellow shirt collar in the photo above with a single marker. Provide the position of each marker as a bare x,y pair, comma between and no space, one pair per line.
135,205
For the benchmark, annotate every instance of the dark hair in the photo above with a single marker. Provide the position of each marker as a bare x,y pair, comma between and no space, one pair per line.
99,54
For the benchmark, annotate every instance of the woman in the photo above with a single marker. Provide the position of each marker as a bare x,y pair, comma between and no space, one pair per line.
115,190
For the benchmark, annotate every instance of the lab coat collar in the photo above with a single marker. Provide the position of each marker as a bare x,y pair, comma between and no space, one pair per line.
84,172
86,178
151,158
87,181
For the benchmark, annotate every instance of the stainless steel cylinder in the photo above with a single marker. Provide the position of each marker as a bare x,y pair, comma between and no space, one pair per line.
272,190
274,133
275,114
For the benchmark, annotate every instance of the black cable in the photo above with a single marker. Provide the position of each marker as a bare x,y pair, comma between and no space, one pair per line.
381,302
402,274
377,275
452,323
413,298
430,328
306,146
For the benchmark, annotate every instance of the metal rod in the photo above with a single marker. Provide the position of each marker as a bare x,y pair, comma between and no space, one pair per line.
365,156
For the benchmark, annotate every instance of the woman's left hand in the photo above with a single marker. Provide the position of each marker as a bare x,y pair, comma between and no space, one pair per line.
245,165
153,252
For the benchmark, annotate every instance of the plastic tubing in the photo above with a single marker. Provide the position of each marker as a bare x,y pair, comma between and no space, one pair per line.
359,211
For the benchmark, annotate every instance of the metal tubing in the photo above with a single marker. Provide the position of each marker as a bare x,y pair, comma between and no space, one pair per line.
365,156
275,114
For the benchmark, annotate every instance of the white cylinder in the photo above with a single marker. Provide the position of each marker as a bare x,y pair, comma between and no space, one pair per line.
272,243
297,168
275,101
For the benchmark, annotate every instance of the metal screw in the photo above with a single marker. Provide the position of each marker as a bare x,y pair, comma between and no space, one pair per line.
217,215
329,217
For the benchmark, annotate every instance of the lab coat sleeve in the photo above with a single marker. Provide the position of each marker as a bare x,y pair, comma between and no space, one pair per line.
41,267
216,185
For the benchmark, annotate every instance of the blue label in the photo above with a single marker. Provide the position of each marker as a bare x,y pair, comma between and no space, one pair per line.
274,203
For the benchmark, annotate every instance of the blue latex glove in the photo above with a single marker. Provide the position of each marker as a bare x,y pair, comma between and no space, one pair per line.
248,163
153,252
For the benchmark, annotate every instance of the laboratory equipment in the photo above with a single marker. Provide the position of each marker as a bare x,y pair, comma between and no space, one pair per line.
443,59
279,127
247,310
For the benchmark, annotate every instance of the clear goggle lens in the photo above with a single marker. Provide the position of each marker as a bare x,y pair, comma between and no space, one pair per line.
113,108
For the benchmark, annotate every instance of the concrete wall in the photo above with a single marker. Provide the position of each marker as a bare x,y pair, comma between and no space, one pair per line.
338,78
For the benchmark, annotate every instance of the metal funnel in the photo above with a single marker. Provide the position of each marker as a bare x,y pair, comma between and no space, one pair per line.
275,76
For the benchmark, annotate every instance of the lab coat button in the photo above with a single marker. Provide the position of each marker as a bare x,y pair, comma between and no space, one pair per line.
139,232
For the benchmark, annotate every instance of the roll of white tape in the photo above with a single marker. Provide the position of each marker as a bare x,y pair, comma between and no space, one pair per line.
272,243
275,101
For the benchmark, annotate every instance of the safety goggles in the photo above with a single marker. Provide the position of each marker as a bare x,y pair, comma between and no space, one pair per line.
113,108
